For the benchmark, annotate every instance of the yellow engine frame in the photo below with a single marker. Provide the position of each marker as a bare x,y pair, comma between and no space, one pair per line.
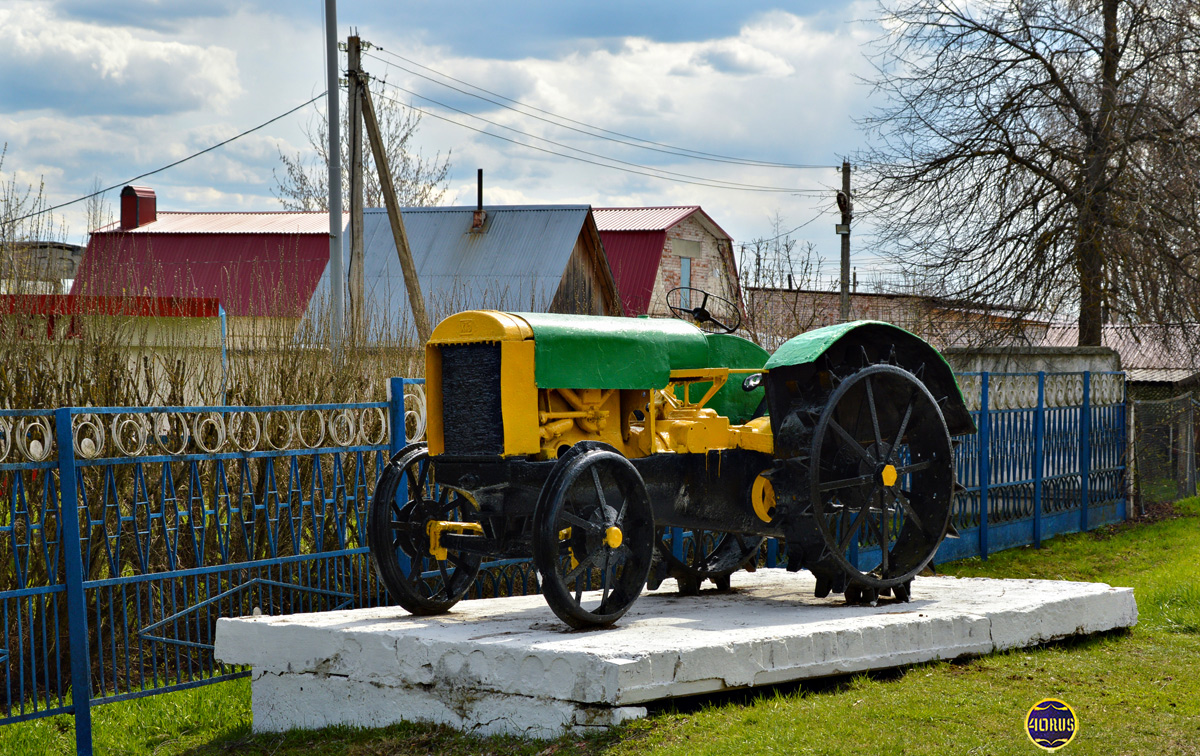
539,421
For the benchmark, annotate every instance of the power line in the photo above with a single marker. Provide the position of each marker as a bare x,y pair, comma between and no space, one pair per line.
668,149
808,222
730,184
172,165
593,162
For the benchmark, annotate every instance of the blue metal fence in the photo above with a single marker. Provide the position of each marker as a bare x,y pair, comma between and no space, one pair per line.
1049,458
179,515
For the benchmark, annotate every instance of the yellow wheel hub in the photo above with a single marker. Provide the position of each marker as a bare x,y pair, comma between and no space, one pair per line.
612,537
762,497
889,475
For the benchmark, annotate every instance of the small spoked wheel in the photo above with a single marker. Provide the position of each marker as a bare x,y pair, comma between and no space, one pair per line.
882,477
593,538
407,499
705,555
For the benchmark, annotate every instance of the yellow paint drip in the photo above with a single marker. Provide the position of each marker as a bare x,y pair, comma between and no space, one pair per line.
612,537
889,475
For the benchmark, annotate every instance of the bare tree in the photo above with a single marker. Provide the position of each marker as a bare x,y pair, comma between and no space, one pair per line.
419,181
1041,154
774,270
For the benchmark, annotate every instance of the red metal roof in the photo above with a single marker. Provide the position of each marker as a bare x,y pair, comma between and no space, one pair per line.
640,218
634,257
252,271
66,304
651,218
284,222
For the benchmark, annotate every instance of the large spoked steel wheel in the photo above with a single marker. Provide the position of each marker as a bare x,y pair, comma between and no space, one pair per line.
593,538
882,475
705,555
407,499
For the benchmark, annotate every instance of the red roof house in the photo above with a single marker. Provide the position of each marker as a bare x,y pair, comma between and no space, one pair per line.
255,264
654,249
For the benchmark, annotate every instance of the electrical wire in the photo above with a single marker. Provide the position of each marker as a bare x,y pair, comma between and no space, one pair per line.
730,184
668,148
646,172
808,222
171,165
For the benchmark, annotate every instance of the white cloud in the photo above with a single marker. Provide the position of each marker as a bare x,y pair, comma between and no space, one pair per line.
779,88
782,89
78,68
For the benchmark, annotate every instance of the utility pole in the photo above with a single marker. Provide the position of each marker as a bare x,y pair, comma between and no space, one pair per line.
357,282
337,283
415,300
843,229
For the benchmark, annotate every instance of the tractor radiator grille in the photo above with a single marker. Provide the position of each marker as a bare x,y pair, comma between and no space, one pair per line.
471,420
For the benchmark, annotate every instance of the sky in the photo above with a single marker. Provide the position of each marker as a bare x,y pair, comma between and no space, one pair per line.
95,92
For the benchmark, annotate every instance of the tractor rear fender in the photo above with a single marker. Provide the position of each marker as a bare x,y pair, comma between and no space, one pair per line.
800,368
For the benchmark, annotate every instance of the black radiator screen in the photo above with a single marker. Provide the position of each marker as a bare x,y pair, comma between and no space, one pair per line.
471,419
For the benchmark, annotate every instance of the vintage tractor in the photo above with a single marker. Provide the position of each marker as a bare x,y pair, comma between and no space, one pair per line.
591,443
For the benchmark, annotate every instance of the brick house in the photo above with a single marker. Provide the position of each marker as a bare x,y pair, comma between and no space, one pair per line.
774,315
654,249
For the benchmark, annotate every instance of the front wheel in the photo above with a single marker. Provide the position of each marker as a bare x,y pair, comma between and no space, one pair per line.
593,538
407,499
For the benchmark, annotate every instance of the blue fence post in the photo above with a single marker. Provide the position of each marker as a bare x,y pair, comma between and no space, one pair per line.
677,543
77,622
397,439
1039,451
1085,451
984,464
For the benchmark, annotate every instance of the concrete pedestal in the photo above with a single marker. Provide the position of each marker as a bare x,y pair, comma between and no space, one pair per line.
509,666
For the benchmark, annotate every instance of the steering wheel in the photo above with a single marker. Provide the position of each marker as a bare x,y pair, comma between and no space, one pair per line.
700,314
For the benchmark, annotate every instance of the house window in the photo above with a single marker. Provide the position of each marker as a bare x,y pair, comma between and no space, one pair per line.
685,280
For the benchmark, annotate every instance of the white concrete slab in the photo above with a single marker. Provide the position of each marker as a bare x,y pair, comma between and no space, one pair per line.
509,665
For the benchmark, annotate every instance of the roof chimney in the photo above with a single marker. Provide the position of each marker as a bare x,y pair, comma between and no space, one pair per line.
479,216
137,206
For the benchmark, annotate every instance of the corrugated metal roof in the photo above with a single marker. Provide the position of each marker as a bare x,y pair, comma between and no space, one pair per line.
517,263
634,257
285,222
1164,350
641,218
1159,375
250,273
653,218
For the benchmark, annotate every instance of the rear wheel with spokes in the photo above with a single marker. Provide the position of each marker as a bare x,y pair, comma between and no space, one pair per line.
593,538
406,500
711,555
882,477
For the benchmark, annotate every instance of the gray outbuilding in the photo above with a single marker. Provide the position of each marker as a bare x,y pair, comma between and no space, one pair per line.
531,258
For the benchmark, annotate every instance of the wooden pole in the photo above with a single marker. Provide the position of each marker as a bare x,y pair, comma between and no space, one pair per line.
357,277
336,274
844,231
415,300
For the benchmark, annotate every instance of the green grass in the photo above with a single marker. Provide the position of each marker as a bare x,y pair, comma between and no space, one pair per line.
1135,692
